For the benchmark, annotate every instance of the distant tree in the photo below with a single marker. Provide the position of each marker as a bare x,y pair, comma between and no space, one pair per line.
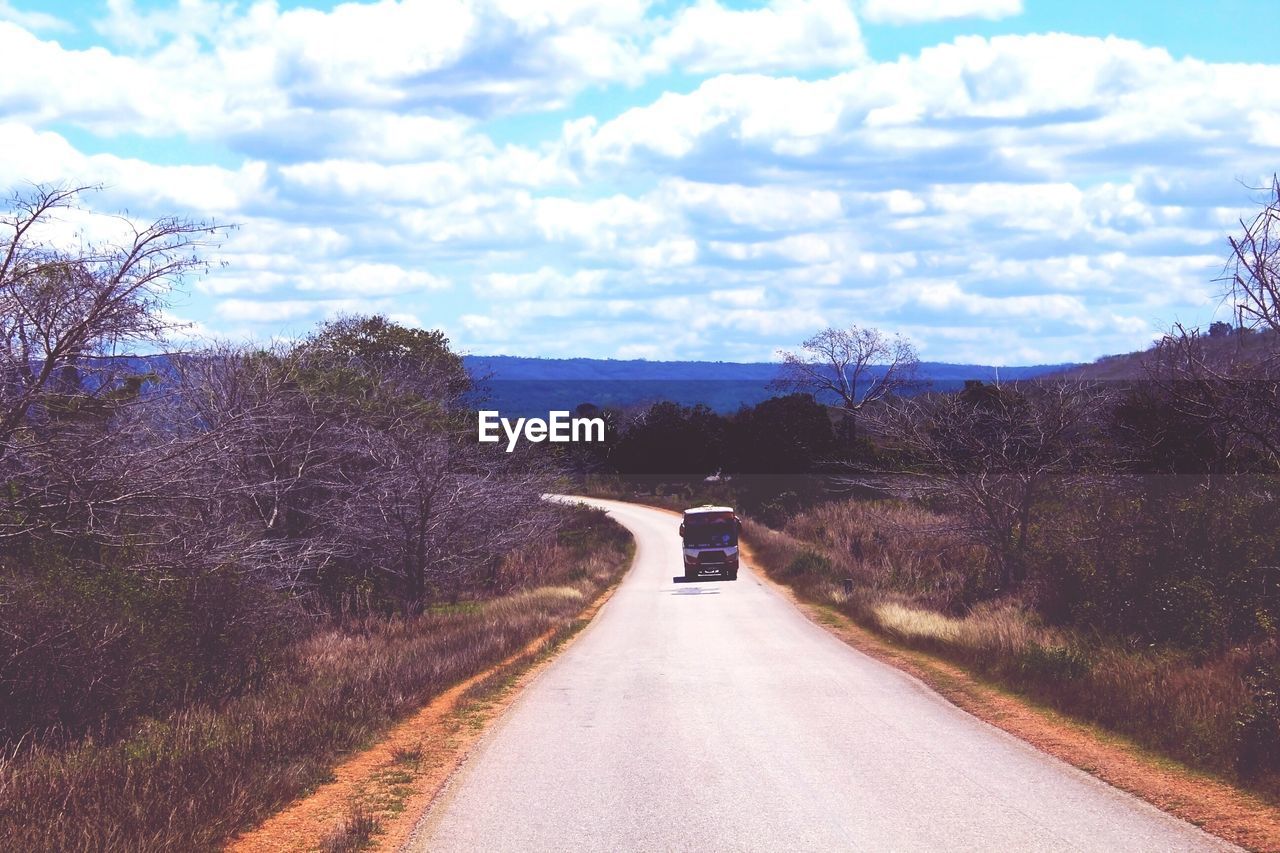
668,438
353,451
1219,329
418,359
1234,393
853,367
781,435
1152,434
580,457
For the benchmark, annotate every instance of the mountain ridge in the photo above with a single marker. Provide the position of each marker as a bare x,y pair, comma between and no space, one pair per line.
522,385
509,367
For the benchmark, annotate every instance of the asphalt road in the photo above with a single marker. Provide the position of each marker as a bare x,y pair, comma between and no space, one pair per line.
714,716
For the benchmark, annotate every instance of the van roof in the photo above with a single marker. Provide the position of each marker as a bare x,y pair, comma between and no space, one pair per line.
707,508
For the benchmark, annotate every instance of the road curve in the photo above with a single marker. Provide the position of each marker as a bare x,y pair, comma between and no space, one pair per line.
714,716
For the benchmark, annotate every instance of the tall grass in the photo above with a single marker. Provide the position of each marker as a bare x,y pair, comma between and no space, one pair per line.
896,547
910,583
190,781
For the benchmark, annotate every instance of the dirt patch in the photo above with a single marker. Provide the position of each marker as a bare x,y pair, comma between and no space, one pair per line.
395,781
1209,803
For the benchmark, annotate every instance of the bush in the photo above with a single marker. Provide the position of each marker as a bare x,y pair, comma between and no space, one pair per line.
1054,662
1193,706
88,648
808,563
897,547
1258,726
1187,562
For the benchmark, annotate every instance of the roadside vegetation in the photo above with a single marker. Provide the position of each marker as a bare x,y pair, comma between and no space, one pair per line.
1207,707
191,780
223,566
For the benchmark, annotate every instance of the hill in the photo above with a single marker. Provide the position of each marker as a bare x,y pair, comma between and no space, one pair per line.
1219,350
527,386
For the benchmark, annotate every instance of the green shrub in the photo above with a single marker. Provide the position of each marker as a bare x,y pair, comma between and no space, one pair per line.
92,648
808,563
1258,727
1040,662
1187,562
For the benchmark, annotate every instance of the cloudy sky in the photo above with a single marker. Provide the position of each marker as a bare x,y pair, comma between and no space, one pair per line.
1004,181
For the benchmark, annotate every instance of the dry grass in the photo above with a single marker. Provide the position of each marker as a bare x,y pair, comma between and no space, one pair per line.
908,584
895,547
988,632
914,624
191,781
354,833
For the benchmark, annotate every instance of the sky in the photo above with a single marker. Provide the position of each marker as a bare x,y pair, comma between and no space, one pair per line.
1001,181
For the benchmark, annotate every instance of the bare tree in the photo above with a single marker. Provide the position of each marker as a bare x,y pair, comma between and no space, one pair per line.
1253,279
855,366
351,450
60,307
1234,394
273,454
992,452
232,486
1232,384
436,512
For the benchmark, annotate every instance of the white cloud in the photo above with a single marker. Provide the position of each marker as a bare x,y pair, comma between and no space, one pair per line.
475,55
1002,104
476,167
647,352
279,311
199,191
373,279
903,202
44,82
33,156
786,34
489,328
130,27
545,282
763,207
323,134
926,11
31,20
949,296
601,225
664,254
973,195
262,77
742,297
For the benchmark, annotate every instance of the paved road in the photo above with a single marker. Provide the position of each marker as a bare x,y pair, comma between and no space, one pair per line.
714,716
